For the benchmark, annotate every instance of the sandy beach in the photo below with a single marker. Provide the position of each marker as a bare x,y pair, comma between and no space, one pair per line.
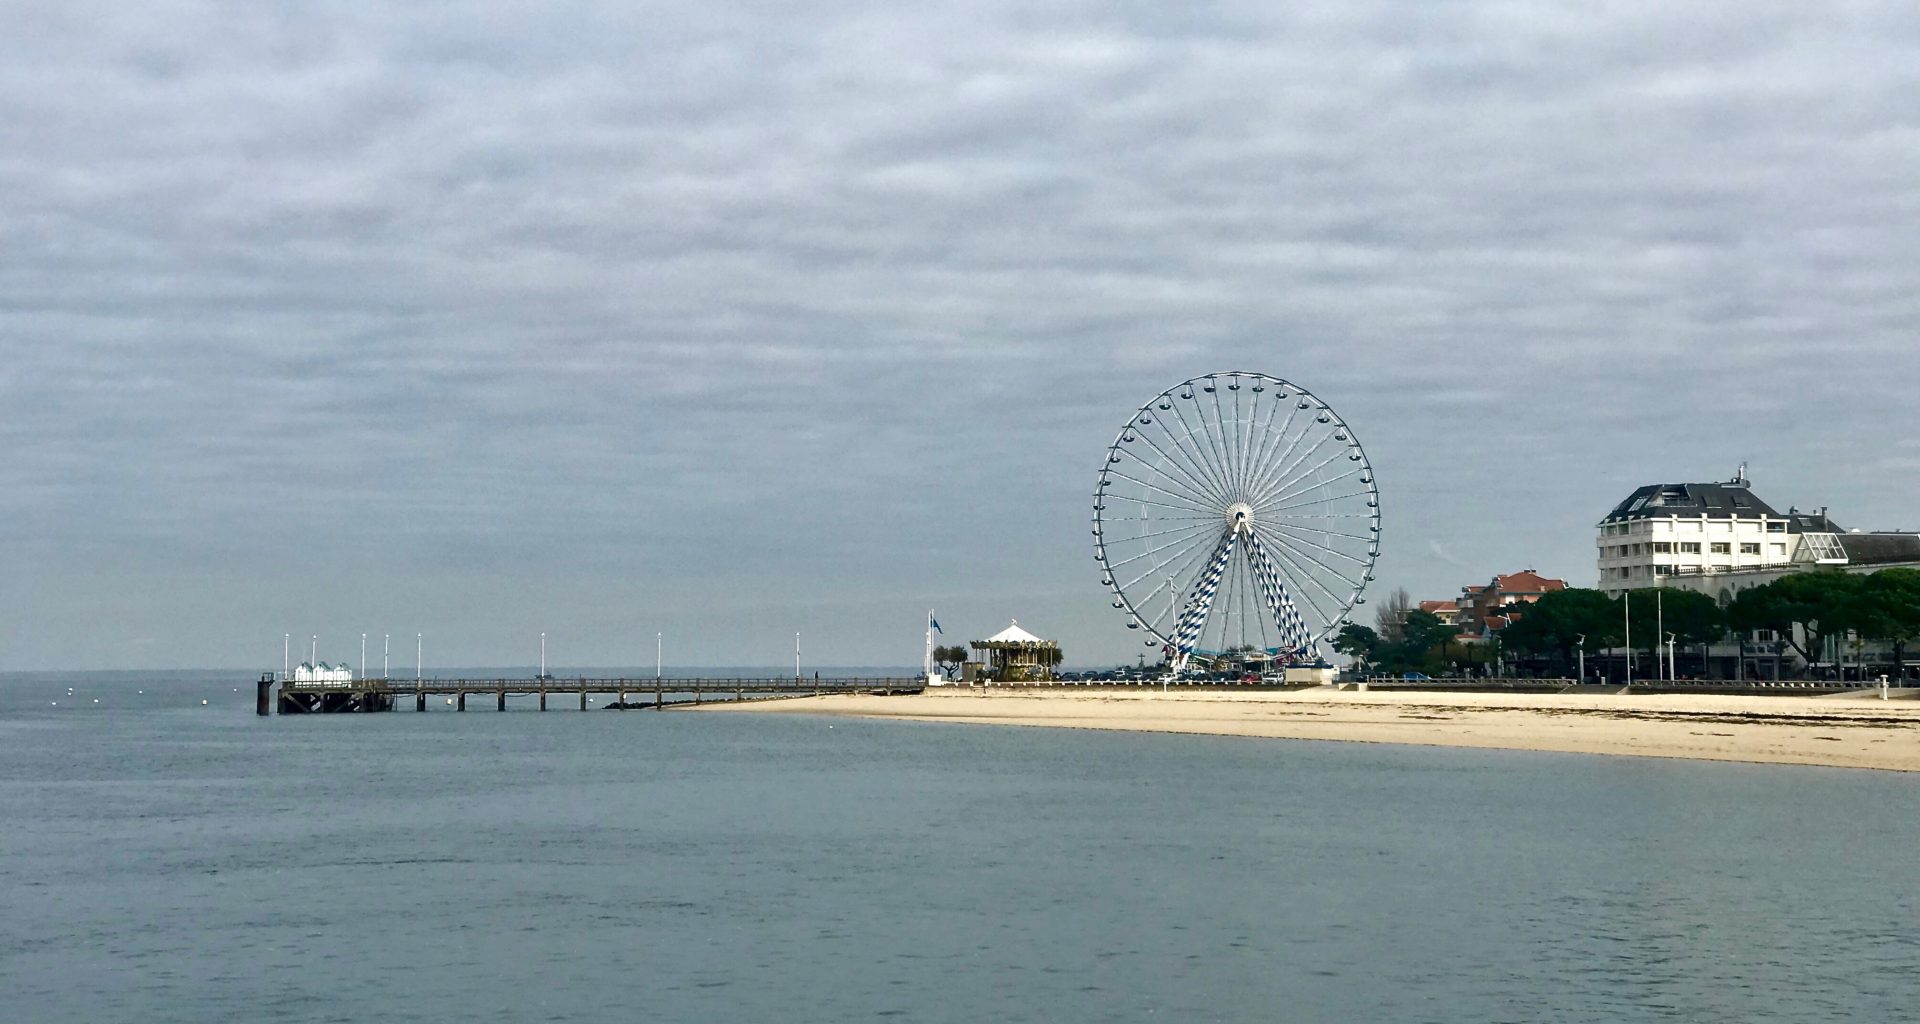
1838,732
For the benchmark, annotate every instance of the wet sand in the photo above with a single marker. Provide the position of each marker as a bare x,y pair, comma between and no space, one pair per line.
1848,732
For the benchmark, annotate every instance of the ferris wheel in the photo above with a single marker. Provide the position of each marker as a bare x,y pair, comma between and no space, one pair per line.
1236,518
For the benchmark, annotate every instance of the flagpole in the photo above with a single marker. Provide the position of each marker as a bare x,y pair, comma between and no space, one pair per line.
928,672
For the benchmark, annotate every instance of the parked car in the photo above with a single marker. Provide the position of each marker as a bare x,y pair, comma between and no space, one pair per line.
1417,677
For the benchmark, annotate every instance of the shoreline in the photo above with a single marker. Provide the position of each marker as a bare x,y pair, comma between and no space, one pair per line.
1830,732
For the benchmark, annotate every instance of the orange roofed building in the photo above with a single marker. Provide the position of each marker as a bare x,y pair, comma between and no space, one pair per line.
1490,608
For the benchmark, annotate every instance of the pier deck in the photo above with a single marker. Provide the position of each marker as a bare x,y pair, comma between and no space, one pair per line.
302,697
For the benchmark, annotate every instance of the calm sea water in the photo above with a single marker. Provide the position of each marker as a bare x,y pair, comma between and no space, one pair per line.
165,861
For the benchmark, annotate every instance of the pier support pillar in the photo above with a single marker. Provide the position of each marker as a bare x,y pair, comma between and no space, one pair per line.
419,700
263,695
543,698
583,696
463,701
503,700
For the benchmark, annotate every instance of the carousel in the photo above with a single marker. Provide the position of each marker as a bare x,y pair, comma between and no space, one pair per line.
1014,655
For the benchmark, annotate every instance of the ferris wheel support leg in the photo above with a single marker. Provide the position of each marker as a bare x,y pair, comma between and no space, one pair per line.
1293,629
1194,619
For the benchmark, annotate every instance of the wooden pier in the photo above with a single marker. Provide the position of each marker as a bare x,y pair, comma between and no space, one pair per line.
301,697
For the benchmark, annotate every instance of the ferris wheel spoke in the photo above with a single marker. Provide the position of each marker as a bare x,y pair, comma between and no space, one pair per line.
1151,534
1273,466
1210,518
1284,547
1190,551
1222,437
1255,431
1229,429
1167,578
1156,550
1162,490
1192,473
1186,443
1327,482
1305,542
1274,479
1320,501
1270,444
1281,524
1190,477
1206,442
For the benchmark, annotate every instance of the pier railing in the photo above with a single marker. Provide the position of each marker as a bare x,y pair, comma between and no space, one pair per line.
326,696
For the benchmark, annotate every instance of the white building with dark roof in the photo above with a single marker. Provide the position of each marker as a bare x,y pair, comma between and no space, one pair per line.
1720,538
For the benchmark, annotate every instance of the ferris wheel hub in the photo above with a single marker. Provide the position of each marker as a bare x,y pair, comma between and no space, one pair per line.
1239,516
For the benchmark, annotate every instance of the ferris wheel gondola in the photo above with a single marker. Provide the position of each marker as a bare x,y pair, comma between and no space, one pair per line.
1236,518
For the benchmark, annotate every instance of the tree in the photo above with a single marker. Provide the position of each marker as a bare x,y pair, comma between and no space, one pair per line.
1886,606
1692,617
1390,620
1820,602
1555,625
1357,642
1423,631
949,659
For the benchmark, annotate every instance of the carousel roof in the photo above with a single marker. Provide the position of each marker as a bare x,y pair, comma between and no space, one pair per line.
1013,634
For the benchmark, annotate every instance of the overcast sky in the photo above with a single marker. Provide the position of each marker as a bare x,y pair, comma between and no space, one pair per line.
734,320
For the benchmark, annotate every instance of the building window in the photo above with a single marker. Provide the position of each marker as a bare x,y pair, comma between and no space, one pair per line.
1749,548
1661,547
1691,547
1722,548
1661,569
1776,527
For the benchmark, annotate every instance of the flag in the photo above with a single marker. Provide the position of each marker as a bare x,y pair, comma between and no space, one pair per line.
934,624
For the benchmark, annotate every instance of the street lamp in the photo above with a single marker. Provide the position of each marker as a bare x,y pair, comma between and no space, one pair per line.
418,646
543,655
658,646
1671,674
1583,656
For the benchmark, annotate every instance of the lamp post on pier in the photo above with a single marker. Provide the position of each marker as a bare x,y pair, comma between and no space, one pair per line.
286,654
543,655
386,648
362,667
659,645
418,645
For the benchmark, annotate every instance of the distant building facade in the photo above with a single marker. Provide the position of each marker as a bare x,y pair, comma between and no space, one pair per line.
1720,538
1448,612
1490,607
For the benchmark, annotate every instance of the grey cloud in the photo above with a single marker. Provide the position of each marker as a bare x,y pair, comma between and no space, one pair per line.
724,316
